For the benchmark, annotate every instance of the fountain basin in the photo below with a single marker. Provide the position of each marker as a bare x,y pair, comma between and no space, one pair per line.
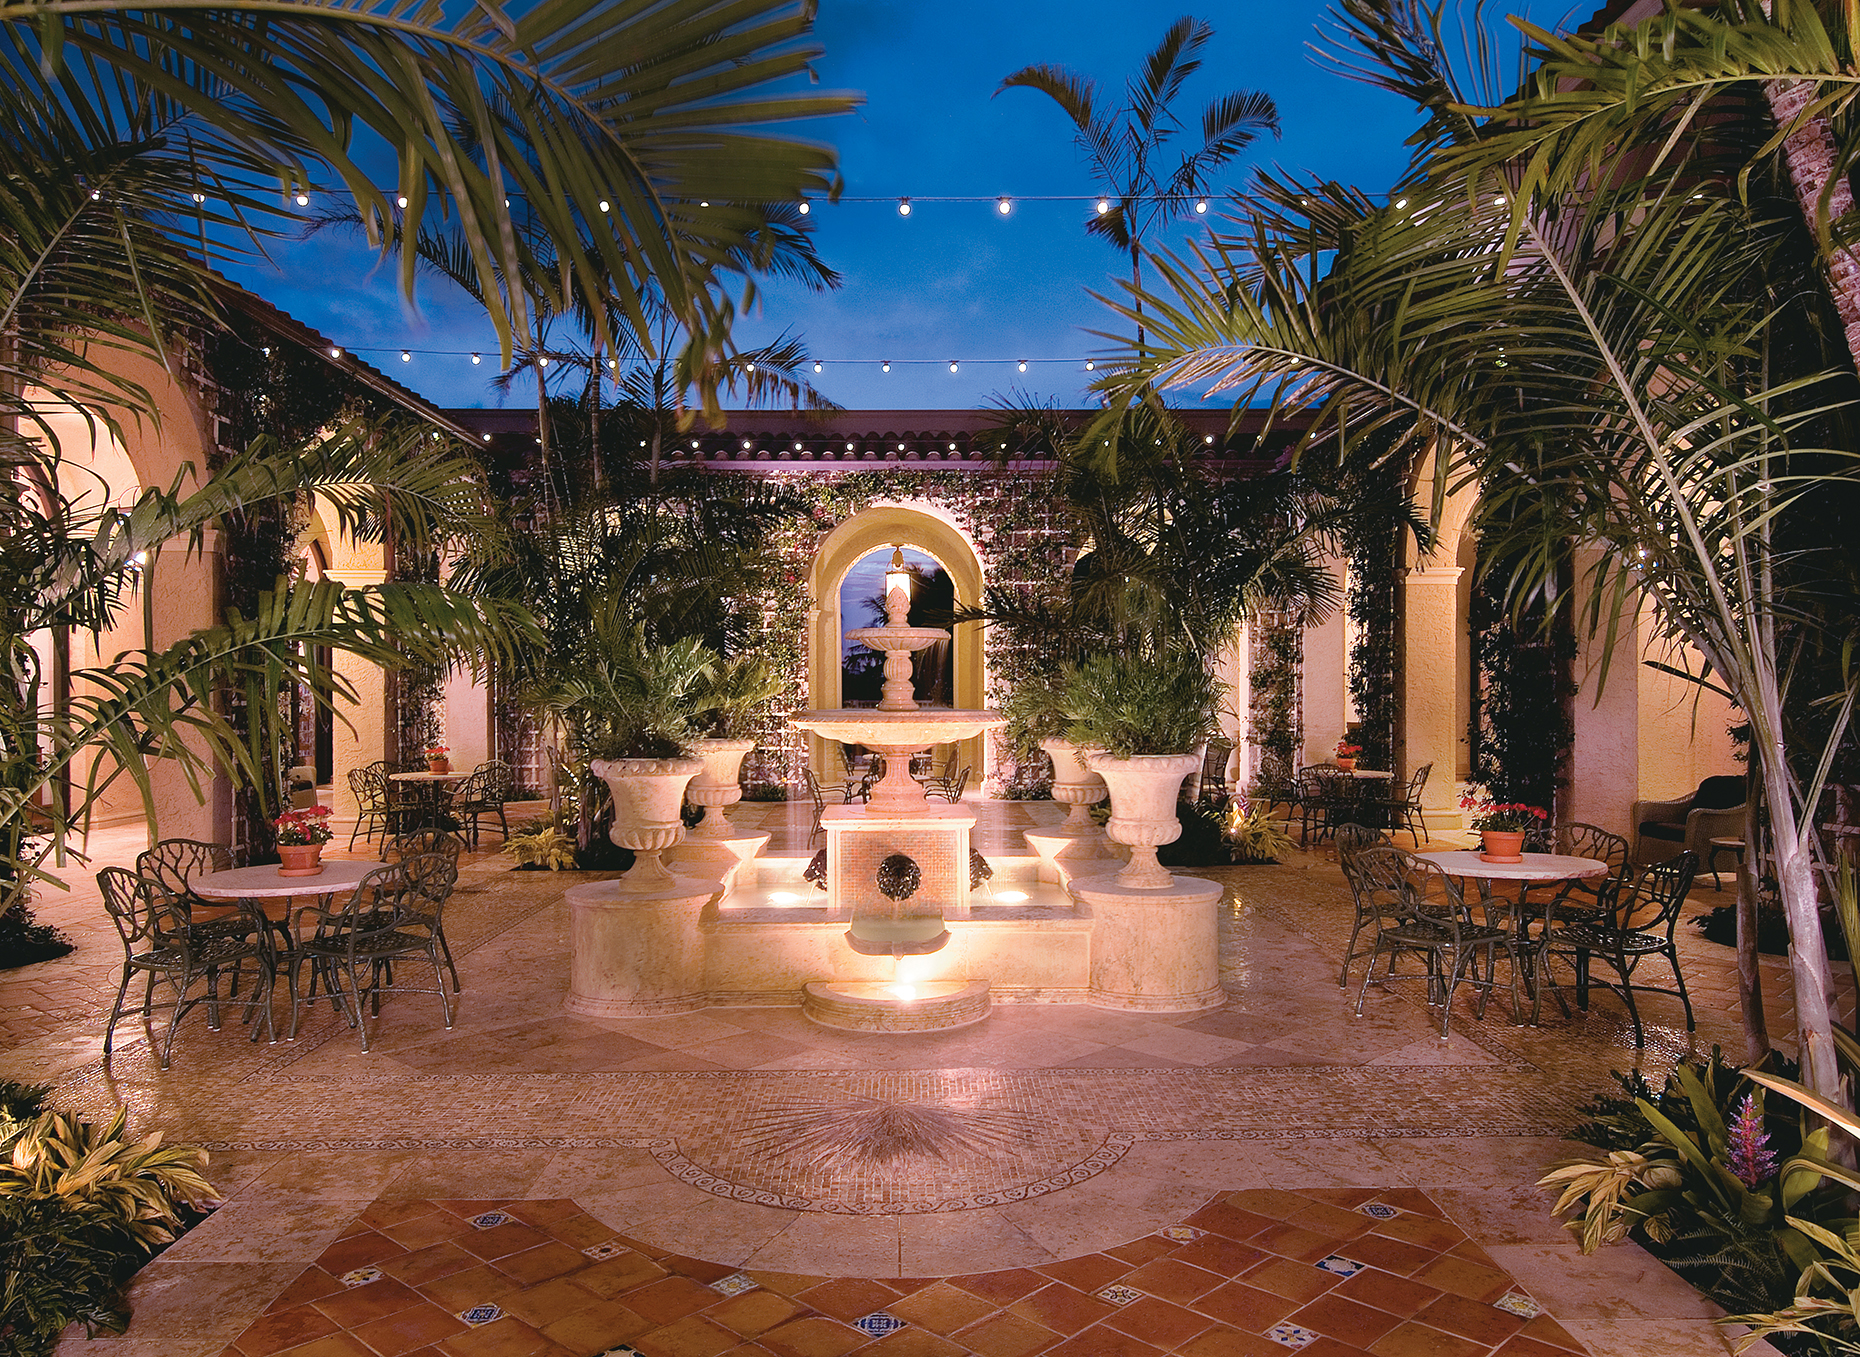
897,735
876,1006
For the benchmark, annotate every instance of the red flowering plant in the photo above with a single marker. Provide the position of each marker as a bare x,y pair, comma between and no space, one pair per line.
297,828
437,751
1346,750
1503,817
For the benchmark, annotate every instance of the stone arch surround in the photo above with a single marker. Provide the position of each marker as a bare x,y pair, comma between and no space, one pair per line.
930,529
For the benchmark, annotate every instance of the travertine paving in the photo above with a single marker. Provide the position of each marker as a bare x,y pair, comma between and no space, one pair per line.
752,1140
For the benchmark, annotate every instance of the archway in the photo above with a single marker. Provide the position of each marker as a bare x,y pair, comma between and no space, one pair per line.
881,527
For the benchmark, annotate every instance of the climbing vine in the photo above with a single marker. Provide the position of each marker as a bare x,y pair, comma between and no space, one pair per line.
1372,543
1275,712
1522,729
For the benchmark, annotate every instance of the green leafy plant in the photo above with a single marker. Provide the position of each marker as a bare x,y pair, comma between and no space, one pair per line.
136,1186
1129,704
637,704
1255,836
19,1105
1035,709
729,697
548,847
56,1269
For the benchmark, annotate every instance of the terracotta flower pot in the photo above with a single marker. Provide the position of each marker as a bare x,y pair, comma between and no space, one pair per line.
1143,795
1346,765
719,786
439,765
300,859
1502,845
649,796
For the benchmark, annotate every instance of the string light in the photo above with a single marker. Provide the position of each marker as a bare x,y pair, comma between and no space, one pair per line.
1023,365
402,200
1089,365
543,361
1201,205
475,360
1004,206
819,365
200,197
606,206
886,365
1401,202
1104,206
96,195
335,352
806,207
303,200
904,207
952,365
816,365
406,356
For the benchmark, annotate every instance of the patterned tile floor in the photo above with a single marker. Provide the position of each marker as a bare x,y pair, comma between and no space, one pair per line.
1331,1273
1060,1132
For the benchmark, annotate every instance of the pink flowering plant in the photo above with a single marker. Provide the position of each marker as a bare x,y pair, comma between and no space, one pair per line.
437,751
299,828
1503,817
1346,750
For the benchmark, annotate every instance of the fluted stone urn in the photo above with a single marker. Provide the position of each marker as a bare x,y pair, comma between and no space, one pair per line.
1143,791
649,798
1075,786
719,786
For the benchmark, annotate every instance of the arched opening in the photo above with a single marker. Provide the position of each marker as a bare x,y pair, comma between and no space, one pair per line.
935,542
862,604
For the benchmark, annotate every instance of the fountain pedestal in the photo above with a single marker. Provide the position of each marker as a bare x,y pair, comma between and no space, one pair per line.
1154,950
636,953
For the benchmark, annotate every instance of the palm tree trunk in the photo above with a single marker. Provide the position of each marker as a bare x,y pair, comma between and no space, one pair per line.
1749,975
1809,153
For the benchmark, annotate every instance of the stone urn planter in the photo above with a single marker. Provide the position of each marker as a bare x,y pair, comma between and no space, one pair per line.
719,785
1143,791
1075,786
649,797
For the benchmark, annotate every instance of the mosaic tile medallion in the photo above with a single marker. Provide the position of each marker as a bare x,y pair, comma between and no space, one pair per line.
1379,1210
607,1248
733,1285
1181,1234
490,1220
878,1324
480,1315
1291,1335
1119,1294
1519,1304
361,1276
1340,1266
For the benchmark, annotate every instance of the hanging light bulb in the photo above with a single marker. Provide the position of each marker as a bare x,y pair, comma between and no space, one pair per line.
816,365
543,362
487,438
904,207
200,197
606,206
1004,206
335,352
1089,365
96,195
805,207
613,364
1208,438
1104,206
1401,202
475,360
1201,205
1023,365
1499,201
952,365
406,355
402,200
752,368
303,200
267,350
885,366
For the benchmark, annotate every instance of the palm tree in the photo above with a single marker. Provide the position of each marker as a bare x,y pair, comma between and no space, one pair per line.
1128,147
1637,366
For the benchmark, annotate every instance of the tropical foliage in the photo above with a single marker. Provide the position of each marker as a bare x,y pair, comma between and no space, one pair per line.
1127,703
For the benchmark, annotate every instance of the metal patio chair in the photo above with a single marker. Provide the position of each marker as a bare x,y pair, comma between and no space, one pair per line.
484,793
1352,840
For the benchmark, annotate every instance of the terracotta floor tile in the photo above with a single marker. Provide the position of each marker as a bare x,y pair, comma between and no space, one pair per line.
913,1342
429,1264
1221,1341
1219,1254
548,1259
815,1336
310,1284
1385,1291
1391,1255
1269,1201
1349,1198
1429,1233
1173,1280
1006,1336
1410,1199
1003,1287
695,1268
354,1306
1470,1319
1465,1279
542,1214
430,1228
1329,1219
471,1208
907,1286
411,1328
1294,1241
500,1240
1417,1340
1158,1322
1099,1341
1088,1273
1062,1309
474,1286
335,1345
638,1246
285,1329
1344,1320
362,1250
941,1308
1327,1346
547,1301
670,1298
1546,1330
1224,1218
1246,1307
783,1283
381,1214
1472,1253
500,1338
578,1231
1295,1281
1147,1249
754,1312
598,1327
847,1297
692,1336
622,1272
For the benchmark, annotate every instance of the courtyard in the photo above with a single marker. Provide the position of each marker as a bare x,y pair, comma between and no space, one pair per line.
1084,1181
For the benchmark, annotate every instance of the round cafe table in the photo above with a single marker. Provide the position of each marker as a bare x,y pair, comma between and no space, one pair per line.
428,786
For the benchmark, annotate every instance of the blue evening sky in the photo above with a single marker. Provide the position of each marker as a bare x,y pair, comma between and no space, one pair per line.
955,280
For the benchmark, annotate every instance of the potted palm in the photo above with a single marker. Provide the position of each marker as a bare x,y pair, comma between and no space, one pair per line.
725,703
1502,825
1147,716
1037,720
301,836
632,712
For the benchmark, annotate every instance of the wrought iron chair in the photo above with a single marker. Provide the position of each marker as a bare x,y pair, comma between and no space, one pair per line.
160,944
1321,800
949,788
1419,910
174,863
391,916
819,798
1584,899
484,793
375,803
1655,898
1404,811
1351,841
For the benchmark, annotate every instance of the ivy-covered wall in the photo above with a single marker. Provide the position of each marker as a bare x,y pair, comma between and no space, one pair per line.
1523,727
1276,710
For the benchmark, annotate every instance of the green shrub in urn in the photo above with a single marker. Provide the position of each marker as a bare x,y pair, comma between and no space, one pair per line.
1129,704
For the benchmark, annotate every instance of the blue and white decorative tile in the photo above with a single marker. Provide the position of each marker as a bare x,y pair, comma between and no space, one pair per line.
1379,1210
1119,1294
361,1276
1181,1234
607,1248
1339,1266
489,1220
624,1350
1519,1304
1291,1335
878,1324
480,1315
734,1284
